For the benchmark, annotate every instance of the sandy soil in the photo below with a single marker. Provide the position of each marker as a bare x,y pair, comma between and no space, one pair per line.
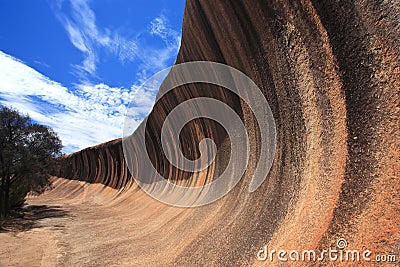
80,224
40,244
56,226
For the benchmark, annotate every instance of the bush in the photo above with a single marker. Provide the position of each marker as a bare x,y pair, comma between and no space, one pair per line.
27,157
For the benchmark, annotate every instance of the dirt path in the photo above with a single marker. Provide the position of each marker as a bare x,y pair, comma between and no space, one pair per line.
80,224
40,243
58,231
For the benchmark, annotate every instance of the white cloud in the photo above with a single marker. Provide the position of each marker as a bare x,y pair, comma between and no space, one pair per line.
159,27
156,59
85,116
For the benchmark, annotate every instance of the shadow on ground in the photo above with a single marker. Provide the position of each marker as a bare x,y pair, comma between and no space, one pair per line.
28,217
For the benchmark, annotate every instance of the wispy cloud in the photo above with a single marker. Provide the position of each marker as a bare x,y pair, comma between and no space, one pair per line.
87,37
172,39
159,27
80,25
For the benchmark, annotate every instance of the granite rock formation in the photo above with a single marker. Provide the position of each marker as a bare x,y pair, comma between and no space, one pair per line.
330,73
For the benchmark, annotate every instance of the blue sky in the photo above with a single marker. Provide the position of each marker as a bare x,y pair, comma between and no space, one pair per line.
75,65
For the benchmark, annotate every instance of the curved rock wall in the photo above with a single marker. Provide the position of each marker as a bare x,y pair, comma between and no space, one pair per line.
330,72
103,164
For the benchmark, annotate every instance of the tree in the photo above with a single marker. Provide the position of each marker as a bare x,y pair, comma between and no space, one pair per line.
27,157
